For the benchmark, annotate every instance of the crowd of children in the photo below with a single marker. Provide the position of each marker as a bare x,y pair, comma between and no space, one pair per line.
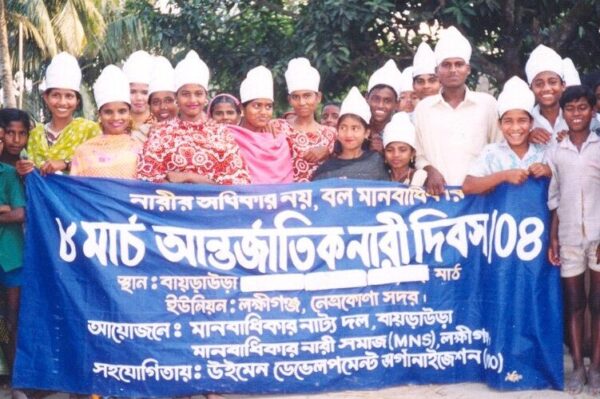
422,127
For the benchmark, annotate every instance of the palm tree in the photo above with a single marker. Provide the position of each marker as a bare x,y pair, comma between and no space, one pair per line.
88,29
5,65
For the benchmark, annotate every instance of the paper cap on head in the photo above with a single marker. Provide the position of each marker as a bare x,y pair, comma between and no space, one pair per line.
163,76
300,75
191,70
388,75
63,73
258,84
424,61
515,95
400,128
111,86
138,67
355,104
406,80
543,59
452,44
571,76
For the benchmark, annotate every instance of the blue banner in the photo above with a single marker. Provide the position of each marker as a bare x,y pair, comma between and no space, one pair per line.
139,289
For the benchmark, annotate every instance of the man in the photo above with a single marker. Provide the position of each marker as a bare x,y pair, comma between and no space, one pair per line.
453,126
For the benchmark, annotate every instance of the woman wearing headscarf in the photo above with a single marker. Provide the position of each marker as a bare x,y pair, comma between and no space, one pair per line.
187,149
51,146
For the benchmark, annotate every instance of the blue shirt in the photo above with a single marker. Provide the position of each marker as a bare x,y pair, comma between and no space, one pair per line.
497,157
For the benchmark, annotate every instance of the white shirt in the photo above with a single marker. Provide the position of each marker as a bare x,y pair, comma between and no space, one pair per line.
497,157
449,138
575,189
540,121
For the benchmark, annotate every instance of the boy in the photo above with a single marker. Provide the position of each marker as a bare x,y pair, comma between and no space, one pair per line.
16,125
575,231
514,159
12,215
382,97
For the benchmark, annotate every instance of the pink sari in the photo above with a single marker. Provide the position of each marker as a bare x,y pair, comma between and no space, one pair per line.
268,158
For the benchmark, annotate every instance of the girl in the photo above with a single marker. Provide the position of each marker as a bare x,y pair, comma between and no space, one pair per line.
114,153
16,125
225,108
310,141
161,91
51,146
355,161
187,149
263,141
399,151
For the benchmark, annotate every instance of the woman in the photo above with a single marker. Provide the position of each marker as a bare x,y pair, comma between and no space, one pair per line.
225,108
263,141
163,105
187,149
113,154
139,68
311,142
51,146
399,151
355,160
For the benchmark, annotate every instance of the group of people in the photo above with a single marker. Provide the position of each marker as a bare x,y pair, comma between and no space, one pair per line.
422,126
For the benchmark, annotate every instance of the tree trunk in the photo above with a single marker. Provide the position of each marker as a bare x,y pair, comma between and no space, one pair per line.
6,76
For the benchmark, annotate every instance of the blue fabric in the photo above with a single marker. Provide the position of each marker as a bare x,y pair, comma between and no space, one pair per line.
167,290
12,278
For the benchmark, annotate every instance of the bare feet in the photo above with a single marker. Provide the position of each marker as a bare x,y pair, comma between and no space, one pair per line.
576,381
214,396
594,381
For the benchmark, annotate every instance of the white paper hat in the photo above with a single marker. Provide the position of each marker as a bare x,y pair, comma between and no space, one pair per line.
63,73
543,59
258,84
191,70
300,75
388,75
424,61
163,76
400,128
111,86
138,67
571,76
515,95
406,80
355,104
452,44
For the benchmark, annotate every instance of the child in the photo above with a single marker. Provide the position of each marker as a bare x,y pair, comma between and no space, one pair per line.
16,125
575,232
382,97
12,215
354,160
544,71
399,151
514,159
